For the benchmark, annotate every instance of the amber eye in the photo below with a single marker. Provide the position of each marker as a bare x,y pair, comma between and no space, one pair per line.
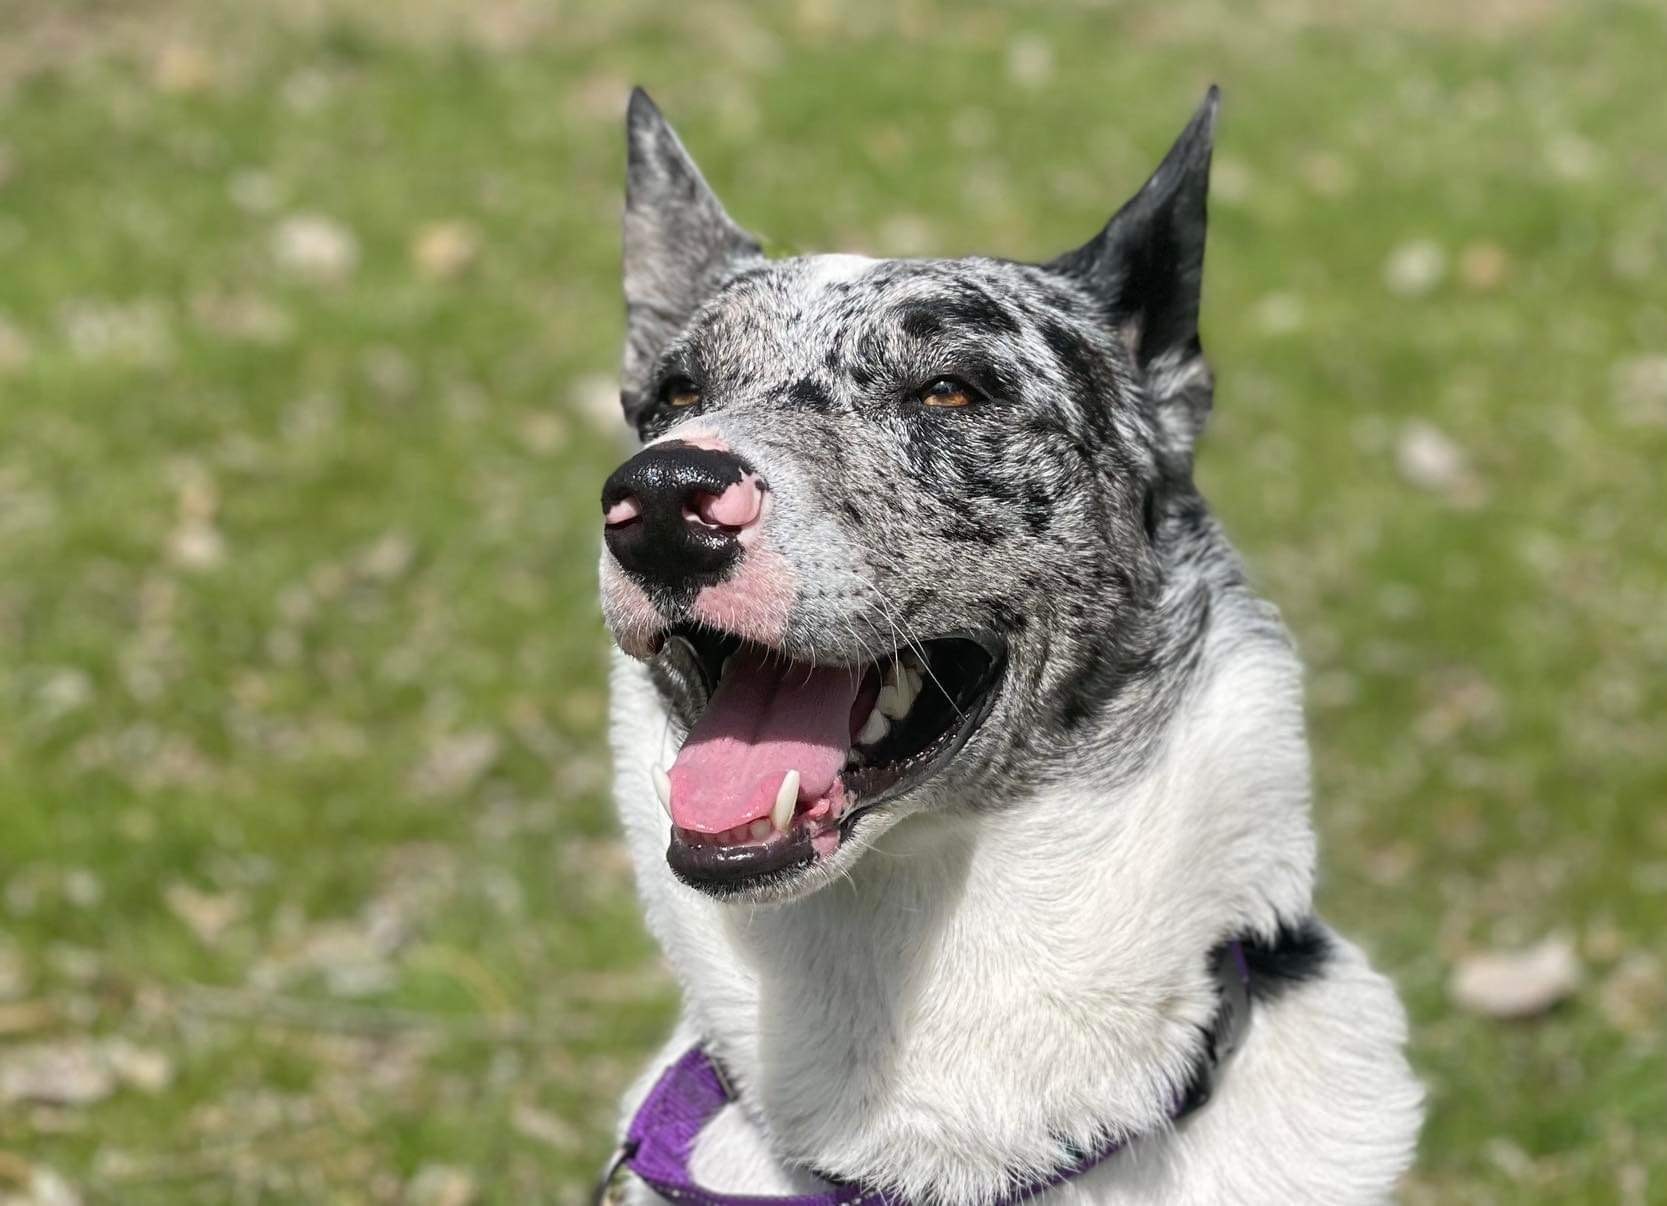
945,391
680,392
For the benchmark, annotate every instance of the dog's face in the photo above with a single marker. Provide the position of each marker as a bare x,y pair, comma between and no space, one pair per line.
898,534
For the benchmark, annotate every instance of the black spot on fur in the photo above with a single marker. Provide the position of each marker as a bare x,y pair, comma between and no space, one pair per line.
1059,298
1298,954
987,482
1038,508
919,322
1091,380
808,394
976,309
1074,353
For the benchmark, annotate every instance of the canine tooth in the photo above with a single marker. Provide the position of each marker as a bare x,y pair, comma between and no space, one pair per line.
662,788
874,728
787,799
908,689
915,682
890,702
760,828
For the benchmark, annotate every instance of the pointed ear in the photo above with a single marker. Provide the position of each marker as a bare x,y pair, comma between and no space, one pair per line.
679,243
1148,266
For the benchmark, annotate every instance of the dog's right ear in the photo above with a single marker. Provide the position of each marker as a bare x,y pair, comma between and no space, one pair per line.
679,244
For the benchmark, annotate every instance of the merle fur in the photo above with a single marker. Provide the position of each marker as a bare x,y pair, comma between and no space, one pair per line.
1058,509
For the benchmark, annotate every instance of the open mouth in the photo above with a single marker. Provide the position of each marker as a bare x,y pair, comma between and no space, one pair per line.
784,758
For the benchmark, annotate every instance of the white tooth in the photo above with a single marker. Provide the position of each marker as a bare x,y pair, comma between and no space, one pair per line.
874,728
787,799
908,690
662,788
894,700
759,829
913,675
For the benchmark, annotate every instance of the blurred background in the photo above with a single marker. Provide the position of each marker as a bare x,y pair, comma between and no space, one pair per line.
309,314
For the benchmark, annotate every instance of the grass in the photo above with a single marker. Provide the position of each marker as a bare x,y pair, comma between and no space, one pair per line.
306,320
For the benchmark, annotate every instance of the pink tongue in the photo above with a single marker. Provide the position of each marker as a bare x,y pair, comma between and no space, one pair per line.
766,718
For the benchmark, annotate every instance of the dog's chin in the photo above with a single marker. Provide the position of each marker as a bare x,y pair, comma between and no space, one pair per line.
884,777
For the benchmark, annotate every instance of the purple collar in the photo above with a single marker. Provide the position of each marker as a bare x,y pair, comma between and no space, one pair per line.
689,1094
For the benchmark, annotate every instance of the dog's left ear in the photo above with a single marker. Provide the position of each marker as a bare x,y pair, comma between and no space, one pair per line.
679,244
1148,265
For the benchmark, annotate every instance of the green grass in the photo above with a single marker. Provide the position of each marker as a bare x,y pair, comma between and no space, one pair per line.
302,776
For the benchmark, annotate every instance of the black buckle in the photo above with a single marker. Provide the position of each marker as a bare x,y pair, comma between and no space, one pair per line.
610,1172
1227,1027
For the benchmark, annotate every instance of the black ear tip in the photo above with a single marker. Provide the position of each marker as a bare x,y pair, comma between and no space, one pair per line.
641,108
1191,152
1203,122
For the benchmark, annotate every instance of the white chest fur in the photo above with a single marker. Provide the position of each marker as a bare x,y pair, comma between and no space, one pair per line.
989,984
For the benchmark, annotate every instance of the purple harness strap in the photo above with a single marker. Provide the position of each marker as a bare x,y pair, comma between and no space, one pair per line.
689,1094
662,1137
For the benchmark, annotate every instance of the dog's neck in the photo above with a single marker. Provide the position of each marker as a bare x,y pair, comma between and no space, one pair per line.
989,984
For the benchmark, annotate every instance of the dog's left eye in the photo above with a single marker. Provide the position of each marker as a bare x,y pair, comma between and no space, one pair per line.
946,391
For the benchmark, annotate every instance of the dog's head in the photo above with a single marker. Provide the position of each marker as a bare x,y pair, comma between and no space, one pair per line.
903,533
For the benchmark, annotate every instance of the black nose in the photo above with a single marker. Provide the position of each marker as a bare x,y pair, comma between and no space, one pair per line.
674,513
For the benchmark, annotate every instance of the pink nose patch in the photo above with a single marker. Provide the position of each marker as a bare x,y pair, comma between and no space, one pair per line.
737,507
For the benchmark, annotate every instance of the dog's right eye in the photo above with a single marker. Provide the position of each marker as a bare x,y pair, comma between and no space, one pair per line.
946,391
679,392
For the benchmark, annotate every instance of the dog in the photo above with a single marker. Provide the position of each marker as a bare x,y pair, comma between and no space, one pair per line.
963,773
